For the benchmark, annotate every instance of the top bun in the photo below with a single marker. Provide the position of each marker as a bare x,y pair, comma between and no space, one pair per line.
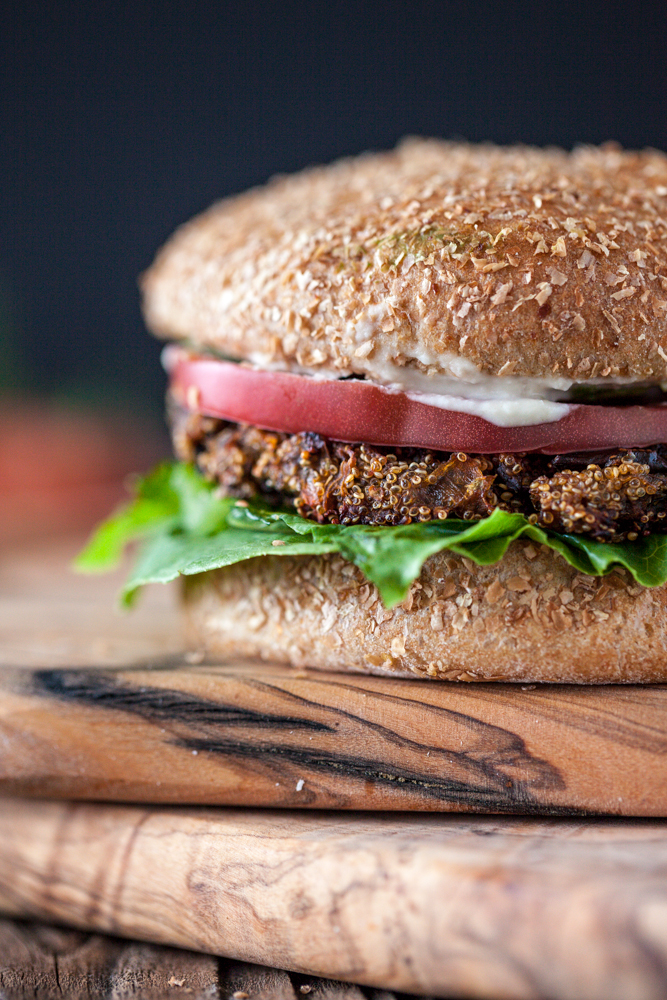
439,256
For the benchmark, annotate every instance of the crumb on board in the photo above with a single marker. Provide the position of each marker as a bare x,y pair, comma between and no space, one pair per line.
194,656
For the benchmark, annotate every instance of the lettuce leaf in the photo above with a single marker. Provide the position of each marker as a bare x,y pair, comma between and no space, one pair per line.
172,498
186,529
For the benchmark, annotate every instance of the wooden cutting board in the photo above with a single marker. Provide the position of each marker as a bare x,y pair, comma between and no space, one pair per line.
449,905
255,734
99,705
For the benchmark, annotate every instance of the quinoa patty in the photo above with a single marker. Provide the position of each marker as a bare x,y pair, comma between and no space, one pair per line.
610,496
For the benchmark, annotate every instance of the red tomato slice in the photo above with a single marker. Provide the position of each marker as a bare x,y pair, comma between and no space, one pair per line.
356,410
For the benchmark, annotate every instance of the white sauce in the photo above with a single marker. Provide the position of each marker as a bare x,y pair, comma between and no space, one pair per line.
459,377
516,412
503,400
458,385
455,383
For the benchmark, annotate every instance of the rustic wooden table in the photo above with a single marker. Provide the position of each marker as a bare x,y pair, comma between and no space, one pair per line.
46,962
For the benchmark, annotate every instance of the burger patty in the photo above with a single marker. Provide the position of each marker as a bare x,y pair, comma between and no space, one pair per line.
610,497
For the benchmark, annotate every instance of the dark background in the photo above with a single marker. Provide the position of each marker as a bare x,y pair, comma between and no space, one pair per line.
120,120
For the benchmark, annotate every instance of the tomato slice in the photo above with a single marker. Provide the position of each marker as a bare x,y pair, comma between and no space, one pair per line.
355,410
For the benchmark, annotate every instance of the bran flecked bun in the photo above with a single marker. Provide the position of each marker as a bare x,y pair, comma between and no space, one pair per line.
521,261
529,618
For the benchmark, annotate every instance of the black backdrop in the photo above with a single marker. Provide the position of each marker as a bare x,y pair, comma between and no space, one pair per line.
120,120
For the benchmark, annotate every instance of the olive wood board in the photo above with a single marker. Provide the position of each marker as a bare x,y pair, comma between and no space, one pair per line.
448,905
263,735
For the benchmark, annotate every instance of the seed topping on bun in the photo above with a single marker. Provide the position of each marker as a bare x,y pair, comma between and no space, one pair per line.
436,258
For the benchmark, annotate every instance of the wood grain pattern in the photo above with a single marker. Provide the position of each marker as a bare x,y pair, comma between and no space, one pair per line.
521,908
255,734
46,963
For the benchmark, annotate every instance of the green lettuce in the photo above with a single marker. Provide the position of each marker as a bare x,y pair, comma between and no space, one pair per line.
186,528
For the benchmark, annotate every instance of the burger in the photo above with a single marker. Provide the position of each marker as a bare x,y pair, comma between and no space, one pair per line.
418,406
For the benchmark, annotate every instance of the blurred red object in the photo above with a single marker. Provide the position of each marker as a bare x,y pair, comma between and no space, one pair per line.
62,469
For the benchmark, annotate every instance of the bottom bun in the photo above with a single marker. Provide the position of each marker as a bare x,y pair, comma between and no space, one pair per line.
529,618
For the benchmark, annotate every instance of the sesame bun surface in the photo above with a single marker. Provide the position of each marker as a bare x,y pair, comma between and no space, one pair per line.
523,262
530,618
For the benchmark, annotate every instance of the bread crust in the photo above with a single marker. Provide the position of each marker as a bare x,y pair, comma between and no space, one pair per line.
521,261
530,618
